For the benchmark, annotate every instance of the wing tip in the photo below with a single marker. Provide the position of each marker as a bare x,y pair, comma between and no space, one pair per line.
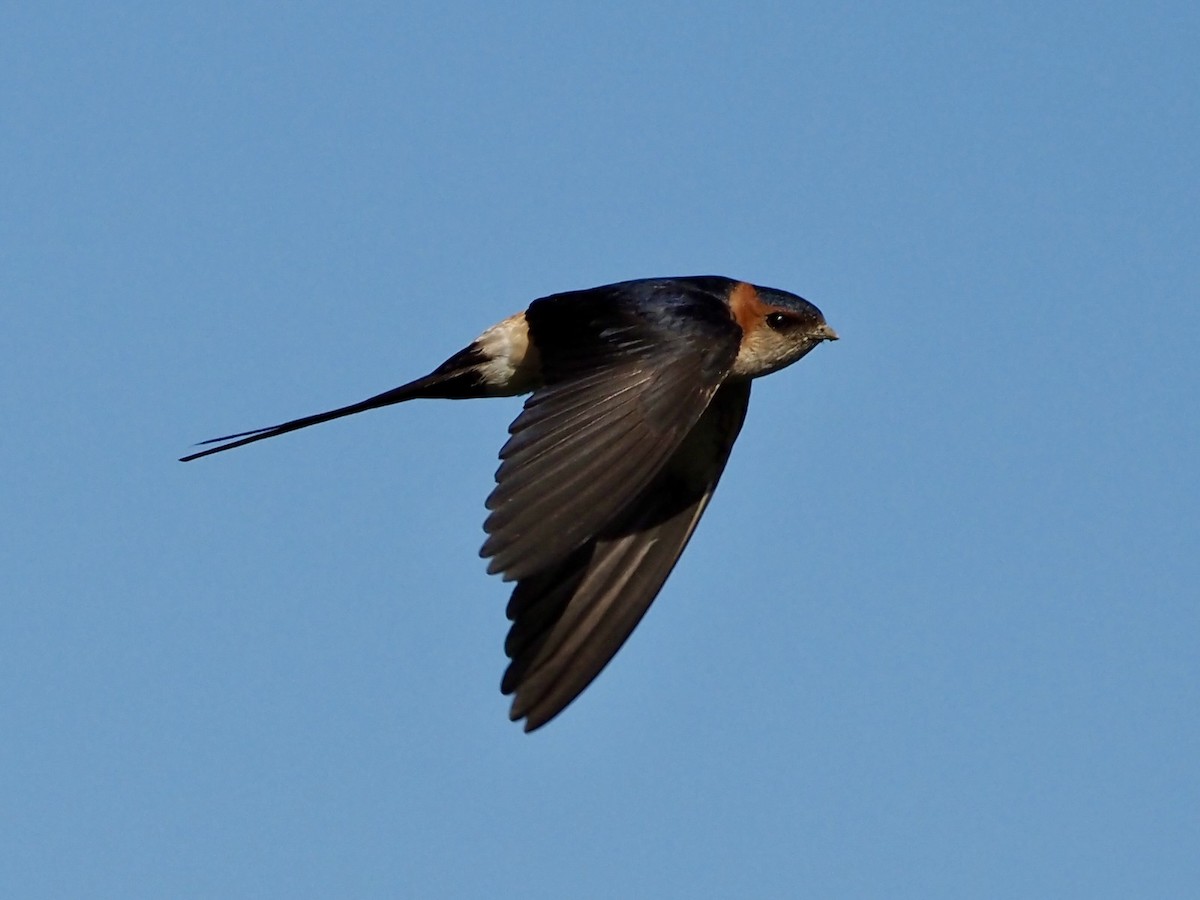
533,718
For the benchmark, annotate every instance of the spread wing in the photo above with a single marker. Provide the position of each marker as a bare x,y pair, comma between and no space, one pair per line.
569,620
626,377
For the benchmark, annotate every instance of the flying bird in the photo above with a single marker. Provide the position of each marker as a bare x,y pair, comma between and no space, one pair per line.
638,391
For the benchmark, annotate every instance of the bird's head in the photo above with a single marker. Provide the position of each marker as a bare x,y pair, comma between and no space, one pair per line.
777,328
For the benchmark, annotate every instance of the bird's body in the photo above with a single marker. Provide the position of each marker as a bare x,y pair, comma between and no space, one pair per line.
639,390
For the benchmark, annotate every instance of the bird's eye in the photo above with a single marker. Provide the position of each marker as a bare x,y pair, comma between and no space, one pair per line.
778,321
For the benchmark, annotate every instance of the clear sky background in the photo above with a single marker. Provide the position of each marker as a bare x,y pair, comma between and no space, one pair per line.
937,635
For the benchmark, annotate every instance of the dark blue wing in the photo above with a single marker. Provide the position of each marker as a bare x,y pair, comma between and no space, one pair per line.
628,371
570,620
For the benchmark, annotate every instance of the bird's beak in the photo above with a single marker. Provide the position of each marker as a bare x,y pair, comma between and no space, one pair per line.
825,333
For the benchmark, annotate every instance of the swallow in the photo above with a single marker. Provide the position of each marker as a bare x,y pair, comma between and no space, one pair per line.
637,393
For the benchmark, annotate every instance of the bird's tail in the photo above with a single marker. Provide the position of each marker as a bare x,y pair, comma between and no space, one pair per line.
458,378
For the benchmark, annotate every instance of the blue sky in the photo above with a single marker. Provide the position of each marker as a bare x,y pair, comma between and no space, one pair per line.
937,634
